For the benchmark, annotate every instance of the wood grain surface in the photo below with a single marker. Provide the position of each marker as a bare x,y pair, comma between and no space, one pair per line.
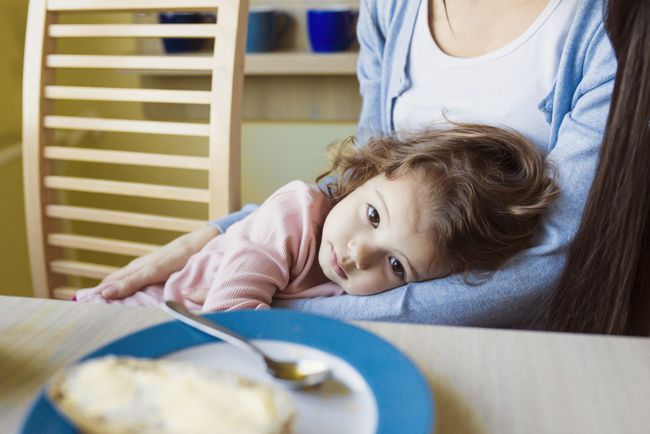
484,380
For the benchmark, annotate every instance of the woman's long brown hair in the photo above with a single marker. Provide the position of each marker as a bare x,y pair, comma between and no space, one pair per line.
605,287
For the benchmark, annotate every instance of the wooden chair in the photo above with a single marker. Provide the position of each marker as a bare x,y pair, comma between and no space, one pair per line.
50,219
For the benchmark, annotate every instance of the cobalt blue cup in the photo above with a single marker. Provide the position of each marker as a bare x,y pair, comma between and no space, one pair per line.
181,45
265,28
331,29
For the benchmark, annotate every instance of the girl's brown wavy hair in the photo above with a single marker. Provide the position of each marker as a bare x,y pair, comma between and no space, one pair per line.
487,187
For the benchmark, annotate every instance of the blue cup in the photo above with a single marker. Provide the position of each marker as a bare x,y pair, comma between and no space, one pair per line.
182,45
331,29
266,27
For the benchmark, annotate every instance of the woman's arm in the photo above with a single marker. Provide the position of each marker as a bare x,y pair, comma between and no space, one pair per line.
369,70
260,256
578,114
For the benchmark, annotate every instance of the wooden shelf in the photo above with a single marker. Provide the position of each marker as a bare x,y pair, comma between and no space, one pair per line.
285,63
280,85
282,63
291,58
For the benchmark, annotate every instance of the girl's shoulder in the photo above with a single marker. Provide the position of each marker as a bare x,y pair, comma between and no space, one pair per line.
298,197
298,188
290,212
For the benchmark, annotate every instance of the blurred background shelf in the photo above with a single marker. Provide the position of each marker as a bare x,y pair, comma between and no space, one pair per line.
278,86
282,63
288,84
285,63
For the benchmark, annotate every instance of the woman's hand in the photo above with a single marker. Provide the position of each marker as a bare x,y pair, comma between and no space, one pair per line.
156,266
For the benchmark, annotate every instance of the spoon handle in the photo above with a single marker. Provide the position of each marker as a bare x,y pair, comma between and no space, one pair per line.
182,314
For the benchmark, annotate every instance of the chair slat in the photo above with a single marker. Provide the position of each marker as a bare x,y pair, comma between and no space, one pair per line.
128,95
97,244
132,30
123,218
121,188
127,126
107,61
131,5
81,269
64,293
124,157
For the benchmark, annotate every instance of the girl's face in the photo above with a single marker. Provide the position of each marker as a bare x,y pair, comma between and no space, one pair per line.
378,238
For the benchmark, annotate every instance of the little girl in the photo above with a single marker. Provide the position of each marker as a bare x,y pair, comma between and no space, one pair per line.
397,210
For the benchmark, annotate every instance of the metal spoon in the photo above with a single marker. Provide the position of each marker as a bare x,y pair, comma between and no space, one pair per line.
295,375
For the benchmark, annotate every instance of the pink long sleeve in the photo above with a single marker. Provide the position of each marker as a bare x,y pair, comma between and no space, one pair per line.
271,253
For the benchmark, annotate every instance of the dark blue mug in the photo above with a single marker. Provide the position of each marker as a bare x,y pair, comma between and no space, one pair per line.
266,27
331,29
181,45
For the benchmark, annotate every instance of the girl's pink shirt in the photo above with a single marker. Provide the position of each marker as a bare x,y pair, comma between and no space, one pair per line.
271,253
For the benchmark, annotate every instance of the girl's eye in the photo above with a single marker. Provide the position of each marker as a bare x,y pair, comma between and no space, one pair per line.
373,216
397,267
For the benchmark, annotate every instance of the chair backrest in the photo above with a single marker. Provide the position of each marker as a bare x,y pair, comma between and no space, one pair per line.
51,219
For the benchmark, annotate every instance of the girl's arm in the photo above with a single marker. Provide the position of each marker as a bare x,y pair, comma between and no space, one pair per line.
249,275
273,247
157,266
578,113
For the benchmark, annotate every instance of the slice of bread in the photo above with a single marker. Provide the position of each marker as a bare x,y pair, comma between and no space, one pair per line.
128,395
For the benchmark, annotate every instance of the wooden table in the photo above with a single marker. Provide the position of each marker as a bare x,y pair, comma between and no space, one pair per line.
484,381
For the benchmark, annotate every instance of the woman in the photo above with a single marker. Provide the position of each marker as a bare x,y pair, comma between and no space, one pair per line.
606,285
542,67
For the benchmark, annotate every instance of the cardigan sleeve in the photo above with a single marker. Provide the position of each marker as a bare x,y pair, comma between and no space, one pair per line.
369,70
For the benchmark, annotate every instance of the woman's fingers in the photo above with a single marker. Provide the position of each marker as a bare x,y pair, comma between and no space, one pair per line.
196,295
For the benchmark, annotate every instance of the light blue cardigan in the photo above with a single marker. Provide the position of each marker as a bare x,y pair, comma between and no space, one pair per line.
576,108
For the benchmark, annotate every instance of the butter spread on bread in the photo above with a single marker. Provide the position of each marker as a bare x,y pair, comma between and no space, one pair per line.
128,395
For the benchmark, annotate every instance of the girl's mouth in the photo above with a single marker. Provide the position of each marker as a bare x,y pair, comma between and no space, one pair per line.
334,262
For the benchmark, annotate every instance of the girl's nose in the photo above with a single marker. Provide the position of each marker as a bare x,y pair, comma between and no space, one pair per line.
362,253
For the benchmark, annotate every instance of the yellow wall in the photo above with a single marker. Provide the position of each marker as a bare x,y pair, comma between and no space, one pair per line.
14,268
12,34
14,265
276,153
272,153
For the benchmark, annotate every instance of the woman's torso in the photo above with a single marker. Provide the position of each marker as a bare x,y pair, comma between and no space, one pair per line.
386,30
502,87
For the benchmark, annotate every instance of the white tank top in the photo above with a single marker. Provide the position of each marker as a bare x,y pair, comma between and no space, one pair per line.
501,88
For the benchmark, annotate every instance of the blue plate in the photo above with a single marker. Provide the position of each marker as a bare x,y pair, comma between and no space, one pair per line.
403,398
